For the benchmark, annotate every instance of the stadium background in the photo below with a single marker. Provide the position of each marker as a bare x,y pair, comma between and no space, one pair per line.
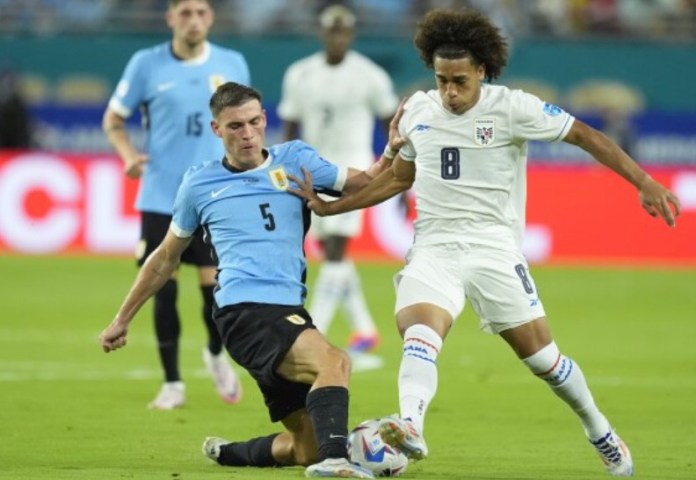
627,74
617,284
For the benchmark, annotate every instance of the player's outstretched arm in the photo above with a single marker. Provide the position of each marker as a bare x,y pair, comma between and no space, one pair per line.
385,178
156,270
392,181
655,198
114,127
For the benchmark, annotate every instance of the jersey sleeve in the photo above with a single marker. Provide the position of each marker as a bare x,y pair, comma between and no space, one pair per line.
326,176
533,119
290,105
407,152
184,217
130,91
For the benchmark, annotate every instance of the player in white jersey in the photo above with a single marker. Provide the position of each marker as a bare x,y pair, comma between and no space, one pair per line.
464,151
171,84
334,96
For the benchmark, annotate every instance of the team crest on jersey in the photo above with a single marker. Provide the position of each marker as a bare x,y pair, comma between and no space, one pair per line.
484,131
279,178
215,81
296,319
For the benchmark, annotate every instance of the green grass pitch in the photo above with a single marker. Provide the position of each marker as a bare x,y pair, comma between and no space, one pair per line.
69,411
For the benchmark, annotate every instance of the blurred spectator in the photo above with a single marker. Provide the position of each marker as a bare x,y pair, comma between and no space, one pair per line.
648,17
545,17
502,14
266,16
655,19
15,121
373,13
84,14
139,15
601,16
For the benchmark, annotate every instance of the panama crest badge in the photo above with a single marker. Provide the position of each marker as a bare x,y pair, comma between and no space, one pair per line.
484,131
279,178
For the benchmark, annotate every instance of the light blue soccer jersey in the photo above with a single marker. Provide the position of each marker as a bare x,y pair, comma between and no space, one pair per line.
256,227
173,95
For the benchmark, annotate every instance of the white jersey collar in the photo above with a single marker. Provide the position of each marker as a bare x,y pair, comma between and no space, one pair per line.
202,58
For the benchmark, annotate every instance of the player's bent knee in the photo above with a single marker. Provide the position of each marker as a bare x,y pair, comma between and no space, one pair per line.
338,361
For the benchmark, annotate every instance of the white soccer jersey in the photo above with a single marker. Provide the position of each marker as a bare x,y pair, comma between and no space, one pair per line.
471,168
337,105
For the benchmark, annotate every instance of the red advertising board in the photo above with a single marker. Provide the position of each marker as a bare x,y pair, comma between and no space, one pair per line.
61,203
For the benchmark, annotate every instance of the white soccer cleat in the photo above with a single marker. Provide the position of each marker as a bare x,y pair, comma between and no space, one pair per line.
402,434
615,454
337,468
226,381
211,447
172,395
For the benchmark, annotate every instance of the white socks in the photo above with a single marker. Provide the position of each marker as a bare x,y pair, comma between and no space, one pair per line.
355,305
418,372
567,381
339,282
328,290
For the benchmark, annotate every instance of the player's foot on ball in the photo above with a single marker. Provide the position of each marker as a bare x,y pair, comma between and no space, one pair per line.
337,468
402,434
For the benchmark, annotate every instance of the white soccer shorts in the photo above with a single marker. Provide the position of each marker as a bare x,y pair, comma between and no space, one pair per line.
495,281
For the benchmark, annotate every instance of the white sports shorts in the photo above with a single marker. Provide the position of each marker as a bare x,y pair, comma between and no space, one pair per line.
496,282
347,224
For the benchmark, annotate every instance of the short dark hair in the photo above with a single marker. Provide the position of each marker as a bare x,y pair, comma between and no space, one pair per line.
455,34
232,94
174,3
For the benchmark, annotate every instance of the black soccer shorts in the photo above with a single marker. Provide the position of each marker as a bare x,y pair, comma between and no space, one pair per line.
154,227
258,336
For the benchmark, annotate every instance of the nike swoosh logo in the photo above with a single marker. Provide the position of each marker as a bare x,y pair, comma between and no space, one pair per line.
165,86
216,193
331,435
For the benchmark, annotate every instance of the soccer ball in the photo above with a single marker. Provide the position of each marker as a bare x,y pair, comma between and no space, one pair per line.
366,448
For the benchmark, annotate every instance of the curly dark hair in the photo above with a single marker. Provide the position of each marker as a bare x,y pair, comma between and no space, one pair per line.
459,33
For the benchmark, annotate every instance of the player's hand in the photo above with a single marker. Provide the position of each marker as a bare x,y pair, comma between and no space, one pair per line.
134,166
113,337
306,190
396,141
659,202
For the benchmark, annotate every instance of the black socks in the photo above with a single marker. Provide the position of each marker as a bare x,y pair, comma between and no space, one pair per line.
252,453
328,409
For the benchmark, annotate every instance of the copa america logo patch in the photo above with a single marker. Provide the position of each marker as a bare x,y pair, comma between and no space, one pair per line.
552,110
484,131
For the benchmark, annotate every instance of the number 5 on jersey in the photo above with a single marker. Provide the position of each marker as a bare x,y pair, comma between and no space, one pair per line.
268,216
